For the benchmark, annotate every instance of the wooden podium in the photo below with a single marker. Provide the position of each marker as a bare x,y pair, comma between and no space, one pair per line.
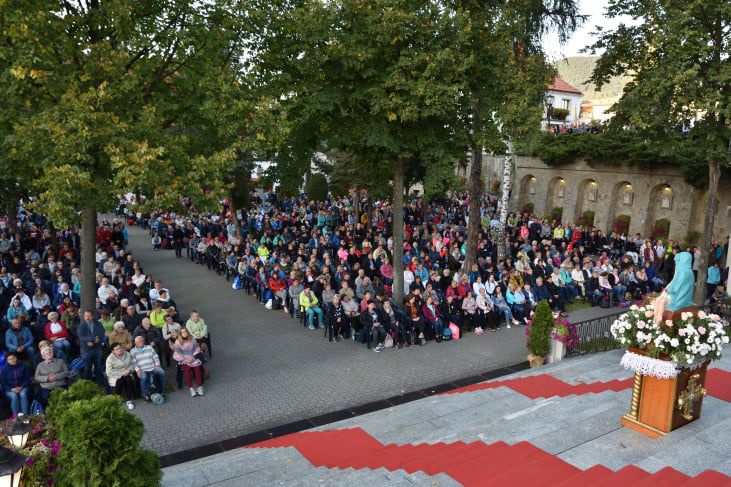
662,405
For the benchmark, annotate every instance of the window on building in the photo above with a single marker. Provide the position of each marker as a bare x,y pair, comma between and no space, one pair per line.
565,103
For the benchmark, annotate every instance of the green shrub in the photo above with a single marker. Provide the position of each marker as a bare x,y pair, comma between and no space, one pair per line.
540,329
693,237
61,399
661,229
559,114
586,219
100,441
621,224
528,209
555,214
317,187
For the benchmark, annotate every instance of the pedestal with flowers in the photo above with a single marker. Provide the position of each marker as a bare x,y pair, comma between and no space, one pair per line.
669,360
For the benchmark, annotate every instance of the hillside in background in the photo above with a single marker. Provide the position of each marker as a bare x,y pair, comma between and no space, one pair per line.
577,70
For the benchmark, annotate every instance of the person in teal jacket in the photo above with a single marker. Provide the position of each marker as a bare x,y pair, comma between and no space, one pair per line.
15,310
713,280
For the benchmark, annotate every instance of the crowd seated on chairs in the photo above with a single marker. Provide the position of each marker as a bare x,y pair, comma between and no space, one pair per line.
317,263
124,343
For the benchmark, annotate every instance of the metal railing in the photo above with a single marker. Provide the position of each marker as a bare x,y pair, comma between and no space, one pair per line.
595,335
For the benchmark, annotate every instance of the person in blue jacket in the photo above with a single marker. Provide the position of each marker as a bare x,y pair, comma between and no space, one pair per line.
20,340
15,381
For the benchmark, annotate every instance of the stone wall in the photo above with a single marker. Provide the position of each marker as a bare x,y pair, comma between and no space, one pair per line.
646,195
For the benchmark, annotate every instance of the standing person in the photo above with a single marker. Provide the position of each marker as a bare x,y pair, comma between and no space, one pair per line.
185,353
91,338
15,381
147,365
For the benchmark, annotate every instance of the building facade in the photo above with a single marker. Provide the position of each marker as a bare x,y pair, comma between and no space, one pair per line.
643,195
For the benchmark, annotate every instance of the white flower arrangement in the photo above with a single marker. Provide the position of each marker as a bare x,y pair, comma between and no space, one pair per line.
693,339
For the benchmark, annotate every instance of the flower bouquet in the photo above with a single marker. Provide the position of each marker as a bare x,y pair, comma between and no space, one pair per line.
689,342
565,333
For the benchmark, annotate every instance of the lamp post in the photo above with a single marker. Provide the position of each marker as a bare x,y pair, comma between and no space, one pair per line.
549,108
11,467
18,433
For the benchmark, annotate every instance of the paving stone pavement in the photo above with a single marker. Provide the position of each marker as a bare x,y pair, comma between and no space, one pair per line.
268,370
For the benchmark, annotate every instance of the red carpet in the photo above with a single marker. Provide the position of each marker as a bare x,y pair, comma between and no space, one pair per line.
473,464
718,384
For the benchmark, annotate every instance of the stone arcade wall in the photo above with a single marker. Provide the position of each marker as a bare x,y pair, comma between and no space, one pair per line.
646,195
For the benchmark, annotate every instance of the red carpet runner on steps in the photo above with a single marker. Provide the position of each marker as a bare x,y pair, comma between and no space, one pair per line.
473,464
718,384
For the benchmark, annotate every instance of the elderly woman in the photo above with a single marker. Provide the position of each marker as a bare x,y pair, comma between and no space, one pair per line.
121,336
185,353
57,333
51,374
119,372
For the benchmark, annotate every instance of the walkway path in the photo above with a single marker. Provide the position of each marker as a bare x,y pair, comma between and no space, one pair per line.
267,370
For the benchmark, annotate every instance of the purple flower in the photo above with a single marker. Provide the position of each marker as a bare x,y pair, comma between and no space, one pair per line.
51,468
38,428
49,481
30,461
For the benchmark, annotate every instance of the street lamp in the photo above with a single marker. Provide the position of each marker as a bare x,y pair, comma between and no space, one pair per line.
18,433
11,467
549,108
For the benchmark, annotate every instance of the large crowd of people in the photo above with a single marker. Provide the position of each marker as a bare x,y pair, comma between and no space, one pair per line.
125,342
322,264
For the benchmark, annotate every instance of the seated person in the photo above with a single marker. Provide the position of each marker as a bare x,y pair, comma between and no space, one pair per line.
15,381
20,340
311,306
146,364
120,373
373,326
121,336
185,352
56,332
197,328
51,374
151,335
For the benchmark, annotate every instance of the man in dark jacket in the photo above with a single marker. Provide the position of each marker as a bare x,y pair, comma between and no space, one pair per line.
152,336
91,338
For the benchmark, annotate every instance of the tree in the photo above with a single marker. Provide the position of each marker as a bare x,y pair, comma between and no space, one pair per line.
374,77
505,77
118,96
677,54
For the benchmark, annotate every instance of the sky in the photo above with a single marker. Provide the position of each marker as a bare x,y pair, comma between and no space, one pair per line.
582,37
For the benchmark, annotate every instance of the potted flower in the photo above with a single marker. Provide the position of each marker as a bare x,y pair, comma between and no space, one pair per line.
539,334
563,339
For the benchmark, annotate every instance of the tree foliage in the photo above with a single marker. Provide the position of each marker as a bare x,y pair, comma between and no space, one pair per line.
540,329
677,54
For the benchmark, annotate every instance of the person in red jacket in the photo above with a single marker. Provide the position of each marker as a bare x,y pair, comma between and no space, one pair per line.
279,289
57,333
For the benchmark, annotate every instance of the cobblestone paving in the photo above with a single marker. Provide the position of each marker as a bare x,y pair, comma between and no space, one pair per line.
268,370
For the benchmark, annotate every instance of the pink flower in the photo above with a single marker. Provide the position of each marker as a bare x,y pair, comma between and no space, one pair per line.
681,332
702,330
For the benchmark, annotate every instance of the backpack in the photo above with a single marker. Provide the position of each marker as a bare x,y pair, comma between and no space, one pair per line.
237,284
446,334
455,330
604,303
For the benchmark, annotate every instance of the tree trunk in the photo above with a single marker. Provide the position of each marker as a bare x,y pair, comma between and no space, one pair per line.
356,203
507,171
12,218
88,259
398,233
476,187
714,175
235,218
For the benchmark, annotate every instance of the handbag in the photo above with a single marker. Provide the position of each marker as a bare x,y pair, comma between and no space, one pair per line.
388,342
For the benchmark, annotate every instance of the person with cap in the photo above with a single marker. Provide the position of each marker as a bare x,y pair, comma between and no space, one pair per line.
311,307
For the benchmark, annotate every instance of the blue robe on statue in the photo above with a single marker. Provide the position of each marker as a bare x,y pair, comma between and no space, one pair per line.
681,287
